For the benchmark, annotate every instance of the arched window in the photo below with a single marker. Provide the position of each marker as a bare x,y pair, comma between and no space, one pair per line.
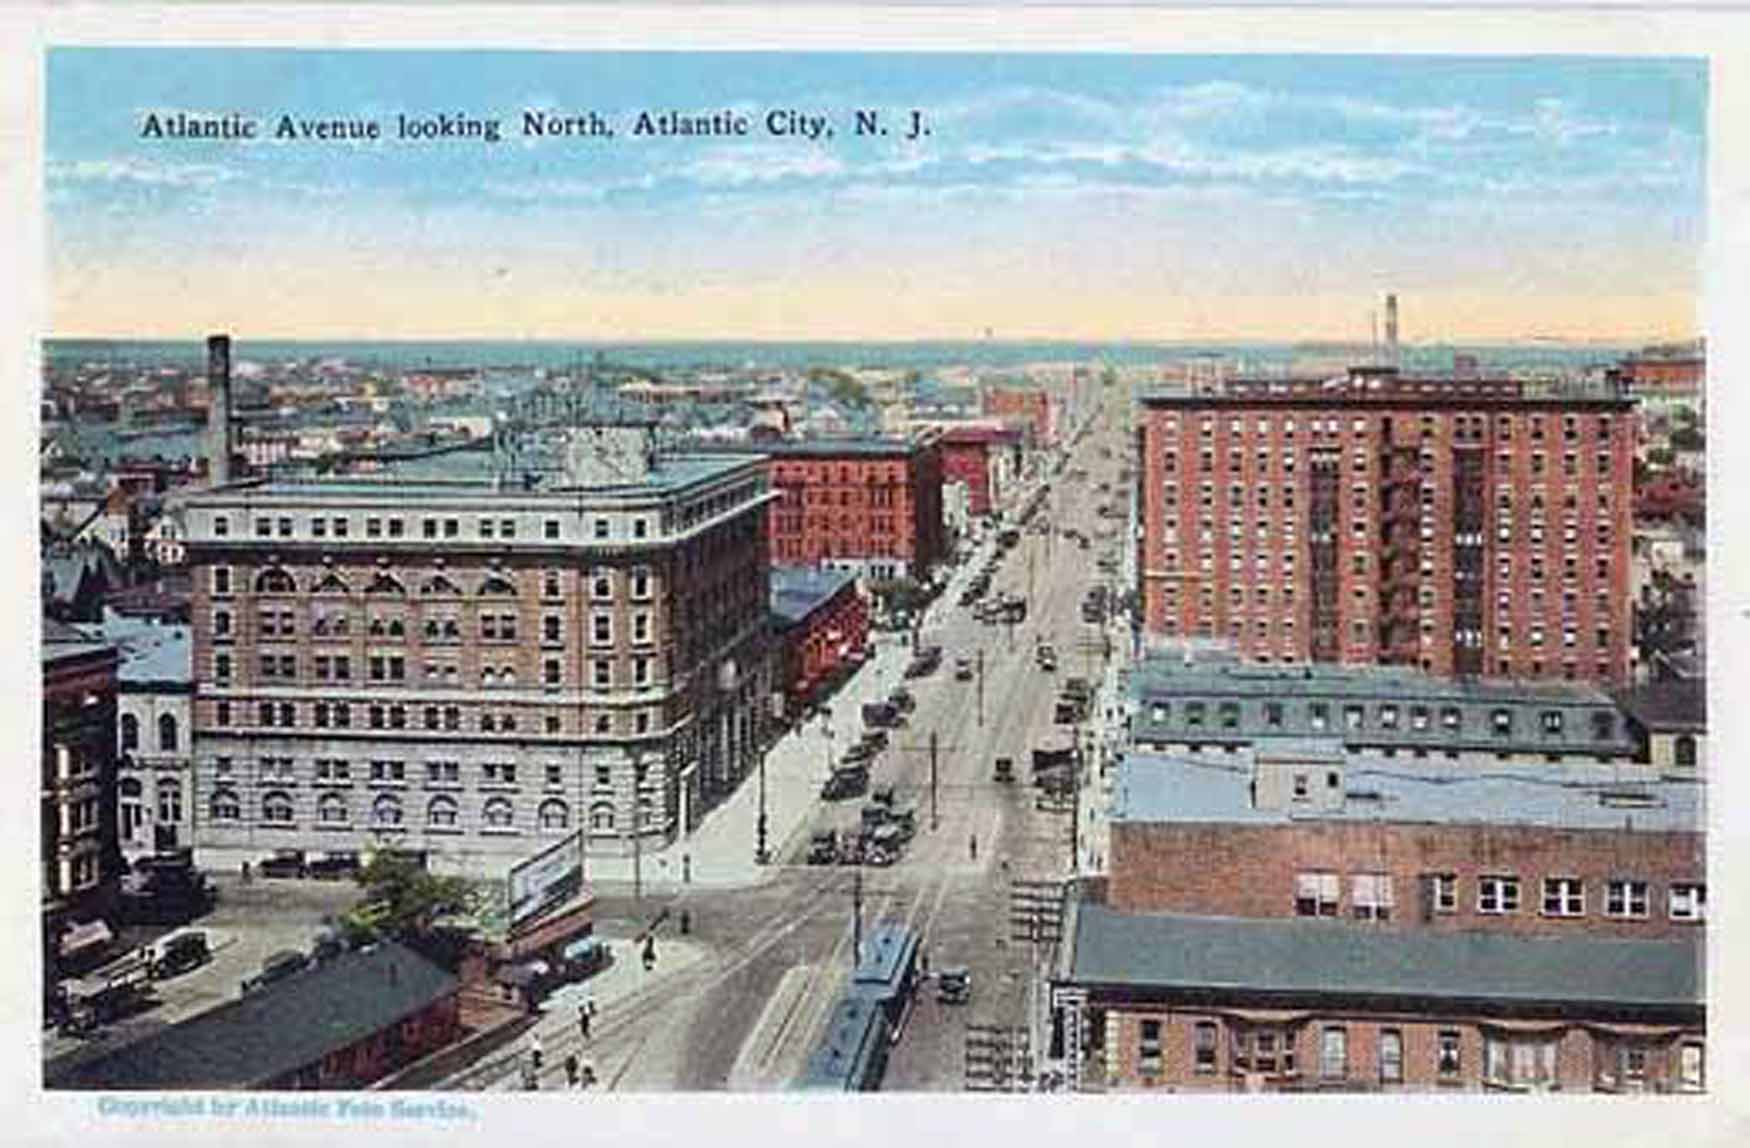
386,810
275,581
488,677
1685,751
497,587
276,807
332,584
167,733
131,787
225,806
130,733
601,815
498,813
383,584
331,809
555,816
438,586
441,813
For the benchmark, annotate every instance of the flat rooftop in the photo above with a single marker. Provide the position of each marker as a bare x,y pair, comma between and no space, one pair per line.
1341,958
1163,672
797,590
467,474
1474,790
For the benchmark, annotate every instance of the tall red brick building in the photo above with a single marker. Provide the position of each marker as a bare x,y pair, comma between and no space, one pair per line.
873,505
970,454
1468,527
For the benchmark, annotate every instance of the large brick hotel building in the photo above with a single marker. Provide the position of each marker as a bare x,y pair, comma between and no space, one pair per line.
1468,527
455,665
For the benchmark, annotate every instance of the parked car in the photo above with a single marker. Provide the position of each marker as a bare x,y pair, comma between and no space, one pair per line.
823,848
179,952
334,867
284,863
1004,770
963,669
846,781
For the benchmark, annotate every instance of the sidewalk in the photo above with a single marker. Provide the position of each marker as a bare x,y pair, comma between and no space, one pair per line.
720,852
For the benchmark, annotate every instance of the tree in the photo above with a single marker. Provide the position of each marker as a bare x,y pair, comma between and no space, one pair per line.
402,900
1687,438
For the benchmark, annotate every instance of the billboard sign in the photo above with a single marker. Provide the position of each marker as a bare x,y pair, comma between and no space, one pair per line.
546,880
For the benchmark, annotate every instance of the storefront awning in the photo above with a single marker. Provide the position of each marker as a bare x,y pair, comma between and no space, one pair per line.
82,937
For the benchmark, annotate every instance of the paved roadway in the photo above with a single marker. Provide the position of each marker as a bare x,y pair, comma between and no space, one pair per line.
763,964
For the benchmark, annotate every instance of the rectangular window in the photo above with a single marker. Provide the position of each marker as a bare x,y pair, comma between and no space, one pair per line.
1391,1056
1315,894
1626,899
1448,1060
1370,896
551,673
601,629
1497,894
1688,902
1443,892
1148,1050
1203,1047
550,529
1334,1053
601,675
1691,1068
1564,897
1519,1062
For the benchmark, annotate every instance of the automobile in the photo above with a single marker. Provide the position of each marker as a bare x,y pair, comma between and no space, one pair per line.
279,966
823,848
902,699
859,754
879,714
963,669
334,867
284,863
883,796
179,952
845,782
851,850
875,739
1004,770
879,857
954,985
1048,662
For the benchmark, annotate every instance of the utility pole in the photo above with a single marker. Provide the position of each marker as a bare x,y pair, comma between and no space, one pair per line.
981,685
856,919
935,821
1075,813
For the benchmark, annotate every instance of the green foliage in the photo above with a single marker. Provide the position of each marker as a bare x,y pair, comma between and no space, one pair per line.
402,900
1687,437
840,387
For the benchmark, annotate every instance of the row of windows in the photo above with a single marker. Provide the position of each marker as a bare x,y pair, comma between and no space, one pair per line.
441,812
438,630
278,580
1508,1060
1316,894
1505,425
338,770
340,715
168,739
1385,716
486,529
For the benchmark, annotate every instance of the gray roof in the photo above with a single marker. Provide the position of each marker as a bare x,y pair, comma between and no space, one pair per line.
1338,958
61,641
834,447
1467,791
274,1030
465,474
796,591
1663,706
151,653
1383,693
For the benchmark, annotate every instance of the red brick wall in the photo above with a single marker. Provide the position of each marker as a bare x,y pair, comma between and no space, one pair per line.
1229,459
969,462
1249,871
857,506
1579,1051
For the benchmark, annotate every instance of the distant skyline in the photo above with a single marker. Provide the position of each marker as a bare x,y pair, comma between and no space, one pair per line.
1145,198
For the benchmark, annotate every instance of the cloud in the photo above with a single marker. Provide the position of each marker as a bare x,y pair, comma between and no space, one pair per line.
736,166
137,171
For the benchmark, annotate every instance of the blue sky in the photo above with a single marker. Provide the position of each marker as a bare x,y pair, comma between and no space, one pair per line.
1083,196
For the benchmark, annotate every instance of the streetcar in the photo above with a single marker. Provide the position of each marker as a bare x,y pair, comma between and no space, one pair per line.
870,1016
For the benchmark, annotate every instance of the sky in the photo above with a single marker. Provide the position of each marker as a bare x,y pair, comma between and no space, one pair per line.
1148,197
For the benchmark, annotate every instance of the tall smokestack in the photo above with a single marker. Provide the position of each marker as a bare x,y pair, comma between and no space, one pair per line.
1391,329
219,409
